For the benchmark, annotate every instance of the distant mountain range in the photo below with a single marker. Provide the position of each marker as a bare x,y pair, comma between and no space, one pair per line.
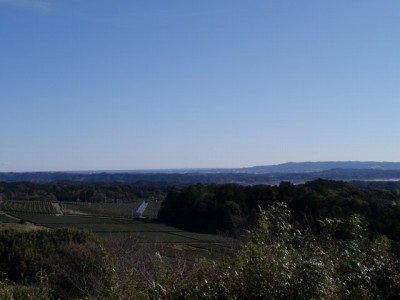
294,172
289,167
307,167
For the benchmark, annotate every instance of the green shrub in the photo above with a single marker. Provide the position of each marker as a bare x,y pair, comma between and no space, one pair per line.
278,263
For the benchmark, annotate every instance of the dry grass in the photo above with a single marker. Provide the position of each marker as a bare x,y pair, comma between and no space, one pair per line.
22,227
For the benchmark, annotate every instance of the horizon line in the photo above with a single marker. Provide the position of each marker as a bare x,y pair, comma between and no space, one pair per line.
185,169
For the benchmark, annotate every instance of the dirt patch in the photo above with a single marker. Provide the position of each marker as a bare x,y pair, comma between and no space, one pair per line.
69,211
183,247
22,227
57,208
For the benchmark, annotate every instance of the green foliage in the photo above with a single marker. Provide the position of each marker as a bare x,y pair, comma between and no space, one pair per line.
278,263
275,261
39,207
23,254
11,292
321,240
113,284
231,207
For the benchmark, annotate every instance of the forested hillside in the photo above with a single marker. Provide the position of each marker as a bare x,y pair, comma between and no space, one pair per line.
231,207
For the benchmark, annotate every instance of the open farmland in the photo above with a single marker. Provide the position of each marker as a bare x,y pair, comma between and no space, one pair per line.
145,232
33,207
152,209
100,209
6,219
122,210
113,220
110,226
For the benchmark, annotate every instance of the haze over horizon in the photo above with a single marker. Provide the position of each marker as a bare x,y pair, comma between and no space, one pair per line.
286,167
92,85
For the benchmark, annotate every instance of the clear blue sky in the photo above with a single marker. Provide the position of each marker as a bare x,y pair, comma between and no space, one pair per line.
203,83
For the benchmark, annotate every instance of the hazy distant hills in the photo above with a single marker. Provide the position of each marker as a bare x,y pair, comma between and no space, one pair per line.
306,167
289,167
294,172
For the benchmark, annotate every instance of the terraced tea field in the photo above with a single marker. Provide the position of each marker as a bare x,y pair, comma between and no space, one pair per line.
118,227
33,207
7,219
100,209
102,220
152,209
123,210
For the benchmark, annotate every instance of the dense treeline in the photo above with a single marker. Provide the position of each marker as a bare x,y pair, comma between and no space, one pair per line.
393,186
278,262
85,192
229,207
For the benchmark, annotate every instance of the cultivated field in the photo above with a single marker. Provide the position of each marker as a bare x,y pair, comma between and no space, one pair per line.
6,219
100,209
106,226
123,210
33,207
105,220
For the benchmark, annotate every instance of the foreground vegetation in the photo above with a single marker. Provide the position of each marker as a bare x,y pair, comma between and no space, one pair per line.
320,240
274,261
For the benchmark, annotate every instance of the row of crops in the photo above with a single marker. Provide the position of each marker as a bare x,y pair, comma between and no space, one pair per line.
103,221
35,207
152,209
106,226
7,219
124,210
